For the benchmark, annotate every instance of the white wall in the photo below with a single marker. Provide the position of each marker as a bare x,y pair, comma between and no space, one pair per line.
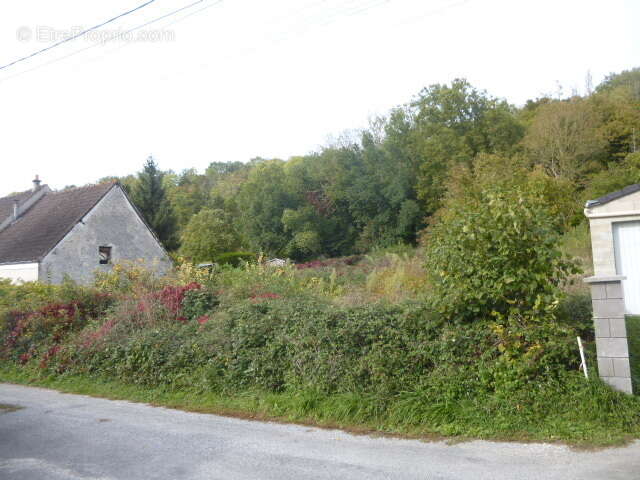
20,272
601,219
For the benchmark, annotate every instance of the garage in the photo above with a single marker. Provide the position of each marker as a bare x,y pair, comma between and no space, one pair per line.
614,221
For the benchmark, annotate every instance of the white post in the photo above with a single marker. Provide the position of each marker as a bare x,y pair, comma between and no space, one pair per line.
584,362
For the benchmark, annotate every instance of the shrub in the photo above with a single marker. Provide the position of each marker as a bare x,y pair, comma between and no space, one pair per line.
235,259
496,256
198,303
576,310
209,233
128,277
30,334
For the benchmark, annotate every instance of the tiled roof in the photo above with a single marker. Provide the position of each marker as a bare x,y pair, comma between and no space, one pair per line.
614,195
41,227
6,203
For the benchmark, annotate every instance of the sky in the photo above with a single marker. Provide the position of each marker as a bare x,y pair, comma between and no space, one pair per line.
236,79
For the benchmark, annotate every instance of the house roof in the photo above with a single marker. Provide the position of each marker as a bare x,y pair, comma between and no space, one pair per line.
6,203
613,196
42,226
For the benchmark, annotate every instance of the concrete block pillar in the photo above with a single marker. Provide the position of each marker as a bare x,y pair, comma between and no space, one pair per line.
611,332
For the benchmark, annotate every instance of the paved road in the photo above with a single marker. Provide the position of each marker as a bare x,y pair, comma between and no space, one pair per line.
58,436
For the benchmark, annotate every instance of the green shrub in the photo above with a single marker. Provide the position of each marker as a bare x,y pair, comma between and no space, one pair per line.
496,256
198,302
235,259
576,310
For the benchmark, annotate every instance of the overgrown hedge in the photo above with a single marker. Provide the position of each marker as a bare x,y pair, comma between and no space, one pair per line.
180,336
396,367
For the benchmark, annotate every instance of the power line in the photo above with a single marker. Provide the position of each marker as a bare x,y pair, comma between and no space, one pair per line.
186,16
151,22
120,35
73,37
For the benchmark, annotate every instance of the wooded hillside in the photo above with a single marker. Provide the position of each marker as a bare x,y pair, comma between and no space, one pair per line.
380,186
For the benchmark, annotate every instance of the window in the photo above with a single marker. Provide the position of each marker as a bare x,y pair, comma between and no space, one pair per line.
105,255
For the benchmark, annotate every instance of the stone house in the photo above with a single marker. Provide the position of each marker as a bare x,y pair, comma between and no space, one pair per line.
47,235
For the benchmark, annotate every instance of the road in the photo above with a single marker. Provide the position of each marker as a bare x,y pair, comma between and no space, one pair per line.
57,436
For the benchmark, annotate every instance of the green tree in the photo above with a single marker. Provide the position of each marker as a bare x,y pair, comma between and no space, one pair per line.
150,197
262,200
615,177
563,138
208,234
619,111
453,124
188,195
627,79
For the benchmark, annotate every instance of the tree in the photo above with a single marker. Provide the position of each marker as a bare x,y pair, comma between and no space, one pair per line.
563,138
188,195
150,197
208,234
127,183
615,177
262,200
453,124
619,111
627,79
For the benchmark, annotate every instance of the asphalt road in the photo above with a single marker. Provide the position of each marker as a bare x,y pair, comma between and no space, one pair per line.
57,436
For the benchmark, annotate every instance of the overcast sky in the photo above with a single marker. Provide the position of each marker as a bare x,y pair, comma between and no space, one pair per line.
246,78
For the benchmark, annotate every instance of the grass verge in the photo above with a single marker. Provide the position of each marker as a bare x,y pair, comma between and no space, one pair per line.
8,408
611,419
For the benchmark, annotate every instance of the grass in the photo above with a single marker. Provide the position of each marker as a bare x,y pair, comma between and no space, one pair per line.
590,416
8,408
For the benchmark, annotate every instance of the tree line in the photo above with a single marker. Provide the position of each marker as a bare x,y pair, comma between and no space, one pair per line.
385,184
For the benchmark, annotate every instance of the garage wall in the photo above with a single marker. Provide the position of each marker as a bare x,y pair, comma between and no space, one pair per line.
21,272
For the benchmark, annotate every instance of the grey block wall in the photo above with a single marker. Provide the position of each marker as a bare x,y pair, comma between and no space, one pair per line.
610,330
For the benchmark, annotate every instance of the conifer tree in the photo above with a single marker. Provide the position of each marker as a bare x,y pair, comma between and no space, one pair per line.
150,197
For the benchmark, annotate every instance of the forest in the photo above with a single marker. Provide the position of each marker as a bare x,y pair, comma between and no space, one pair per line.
382,185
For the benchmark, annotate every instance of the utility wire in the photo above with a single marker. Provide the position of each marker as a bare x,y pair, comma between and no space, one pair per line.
84,32
151,22
115,37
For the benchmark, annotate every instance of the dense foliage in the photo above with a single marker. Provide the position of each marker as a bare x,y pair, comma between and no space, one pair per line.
328,340
148,193
382,185
494,253
208,234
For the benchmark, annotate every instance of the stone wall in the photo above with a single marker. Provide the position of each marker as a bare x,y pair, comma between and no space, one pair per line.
114,223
